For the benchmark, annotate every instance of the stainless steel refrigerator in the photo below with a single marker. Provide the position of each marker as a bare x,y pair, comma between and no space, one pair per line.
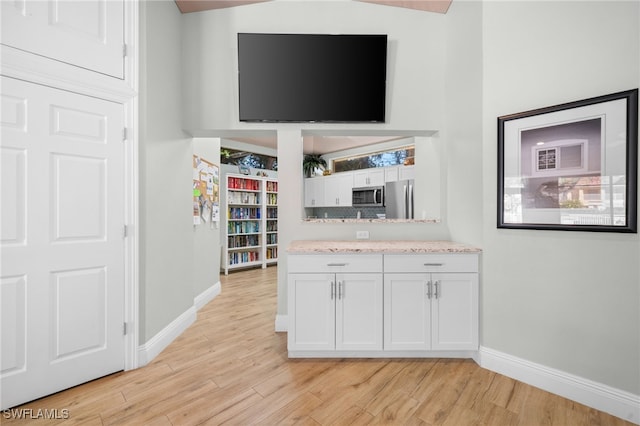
398,199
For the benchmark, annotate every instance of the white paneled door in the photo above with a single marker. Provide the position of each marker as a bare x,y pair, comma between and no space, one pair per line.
88,33
62,242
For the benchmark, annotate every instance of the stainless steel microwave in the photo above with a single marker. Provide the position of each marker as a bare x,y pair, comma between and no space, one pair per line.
372,196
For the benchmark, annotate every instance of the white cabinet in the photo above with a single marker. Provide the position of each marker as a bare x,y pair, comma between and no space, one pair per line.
335,303
391,174
406,172
328,191
337,190
431,302
343,305
369,177
314,192
395,173
89,34
312,312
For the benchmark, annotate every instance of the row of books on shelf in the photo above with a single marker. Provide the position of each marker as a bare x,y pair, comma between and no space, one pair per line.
272,213
241,183
272,199
244,213
238,241
236,258
235,227
272,186
272,226
272,238
243,198
272,252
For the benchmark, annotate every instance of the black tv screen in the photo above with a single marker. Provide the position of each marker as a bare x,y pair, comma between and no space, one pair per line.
312,77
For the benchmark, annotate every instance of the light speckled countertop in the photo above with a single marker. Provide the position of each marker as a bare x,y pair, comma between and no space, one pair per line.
369,220
372,246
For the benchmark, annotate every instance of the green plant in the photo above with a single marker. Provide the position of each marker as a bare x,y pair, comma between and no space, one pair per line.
311,162
572,204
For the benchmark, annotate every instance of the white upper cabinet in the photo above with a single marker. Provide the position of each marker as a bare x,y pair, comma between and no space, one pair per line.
337,190
88,34
314,192
369,177
391,174
406,172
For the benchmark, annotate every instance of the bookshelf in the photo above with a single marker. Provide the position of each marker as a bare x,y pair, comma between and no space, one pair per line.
251,226
271,221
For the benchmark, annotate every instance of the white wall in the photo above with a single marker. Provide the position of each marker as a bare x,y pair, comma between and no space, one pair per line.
166,230
415,56
567,300
415,94
462,135
206,236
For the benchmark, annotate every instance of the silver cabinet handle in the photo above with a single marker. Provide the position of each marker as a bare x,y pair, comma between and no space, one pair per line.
429,289
433,264
333,289
437,292
337,264
339,289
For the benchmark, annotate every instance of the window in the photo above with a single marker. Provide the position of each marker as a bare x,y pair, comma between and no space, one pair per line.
249,159
393,157
561,157
546,159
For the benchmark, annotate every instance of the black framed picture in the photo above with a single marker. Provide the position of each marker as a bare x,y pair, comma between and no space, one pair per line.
571,166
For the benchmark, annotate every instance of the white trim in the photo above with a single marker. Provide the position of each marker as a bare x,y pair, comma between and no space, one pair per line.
131,297
381,354
614,401
41,70
282,323
152,348
207,296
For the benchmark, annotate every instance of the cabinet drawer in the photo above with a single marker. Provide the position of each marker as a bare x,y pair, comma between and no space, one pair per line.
467,262
339,263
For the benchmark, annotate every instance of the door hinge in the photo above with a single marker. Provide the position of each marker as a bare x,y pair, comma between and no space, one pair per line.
124,328
124,50
124,231
124,134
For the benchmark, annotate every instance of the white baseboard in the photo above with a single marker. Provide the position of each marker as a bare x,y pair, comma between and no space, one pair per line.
152,348
207,296
282,323
592,394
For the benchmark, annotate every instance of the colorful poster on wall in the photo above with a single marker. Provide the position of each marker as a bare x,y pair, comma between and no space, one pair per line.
206,191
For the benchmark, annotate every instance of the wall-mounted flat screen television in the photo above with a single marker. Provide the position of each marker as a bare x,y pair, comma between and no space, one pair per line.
312,77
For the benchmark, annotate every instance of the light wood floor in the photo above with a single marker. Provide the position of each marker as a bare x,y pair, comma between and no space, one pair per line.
231,367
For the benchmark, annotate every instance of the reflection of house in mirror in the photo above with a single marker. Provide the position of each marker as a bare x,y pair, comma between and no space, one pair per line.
562,170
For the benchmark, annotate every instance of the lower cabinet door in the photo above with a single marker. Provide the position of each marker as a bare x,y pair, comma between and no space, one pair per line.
455,311
311,312
359,312
407,312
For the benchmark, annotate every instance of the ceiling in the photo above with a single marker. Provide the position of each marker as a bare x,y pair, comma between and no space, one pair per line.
188,6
